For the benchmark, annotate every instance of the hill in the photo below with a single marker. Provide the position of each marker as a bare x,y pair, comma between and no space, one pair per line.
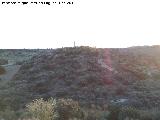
126,76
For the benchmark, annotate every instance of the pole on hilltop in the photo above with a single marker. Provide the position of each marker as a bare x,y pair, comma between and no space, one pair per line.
74,44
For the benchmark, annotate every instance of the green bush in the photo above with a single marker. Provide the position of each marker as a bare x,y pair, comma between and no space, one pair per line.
155,114
128,112
145,115
68,109
113,112
94,114
118,113
8,115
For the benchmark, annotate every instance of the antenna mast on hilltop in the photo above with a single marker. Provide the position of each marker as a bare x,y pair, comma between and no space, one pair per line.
74,44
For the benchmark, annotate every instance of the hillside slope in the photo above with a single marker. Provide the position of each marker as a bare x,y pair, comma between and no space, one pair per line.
90,76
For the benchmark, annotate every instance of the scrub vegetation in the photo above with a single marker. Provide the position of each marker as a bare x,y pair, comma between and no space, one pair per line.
82,83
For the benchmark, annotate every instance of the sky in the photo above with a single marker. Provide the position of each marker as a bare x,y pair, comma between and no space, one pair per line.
95,23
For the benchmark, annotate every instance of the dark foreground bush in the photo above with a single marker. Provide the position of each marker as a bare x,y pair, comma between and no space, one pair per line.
123,113
2,70
68,109
129,112
113,112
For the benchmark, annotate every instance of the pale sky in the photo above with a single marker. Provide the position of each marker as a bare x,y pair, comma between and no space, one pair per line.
100,23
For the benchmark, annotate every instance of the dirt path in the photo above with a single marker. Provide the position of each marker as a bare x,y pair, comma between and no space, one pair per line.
104,65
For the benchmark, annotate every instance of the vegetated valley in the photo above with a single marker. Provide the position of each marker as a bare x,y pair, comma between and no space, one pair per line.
80,83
